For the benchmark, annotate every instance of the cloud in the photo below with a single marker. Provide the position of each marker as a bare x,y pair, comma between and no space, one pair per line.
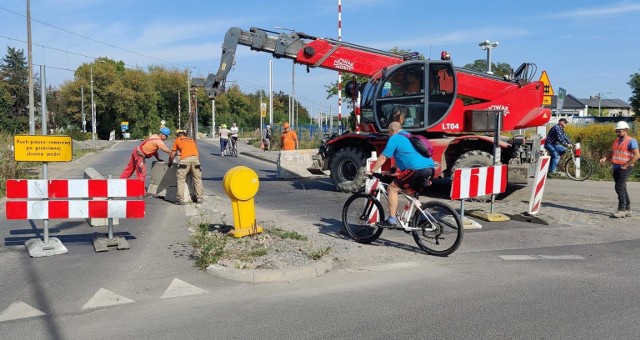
609,10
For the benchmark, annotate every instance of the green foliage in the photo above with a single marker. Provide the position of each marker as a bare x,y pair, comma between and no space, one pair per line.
290,234
14,92
634,83
596,141
499,69
77,134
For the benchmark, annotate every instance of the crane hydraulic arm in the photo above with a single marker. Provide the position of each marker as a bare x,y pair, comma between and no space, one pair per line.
303,49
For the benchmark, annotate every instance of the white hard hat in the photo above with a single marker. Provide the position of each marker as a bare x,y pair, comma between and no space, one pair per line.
268,126
622,126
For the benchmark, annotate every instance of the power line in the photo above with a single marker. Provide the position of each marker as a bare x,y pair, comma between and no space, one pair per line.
100,42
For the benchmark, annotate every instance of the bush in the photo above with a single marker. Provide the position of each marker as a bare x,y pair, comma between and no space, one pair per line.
77,134
9,168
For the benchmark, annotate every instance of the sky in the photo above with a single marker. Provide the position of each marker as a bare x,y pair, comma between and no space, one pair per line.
586,47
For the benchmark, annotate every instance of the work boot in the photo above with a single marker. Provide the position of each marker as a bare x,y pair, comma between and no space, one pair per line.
619,214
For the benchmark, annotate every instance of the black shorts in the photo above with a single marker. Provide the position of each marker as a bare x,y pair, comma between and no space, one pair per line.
413,179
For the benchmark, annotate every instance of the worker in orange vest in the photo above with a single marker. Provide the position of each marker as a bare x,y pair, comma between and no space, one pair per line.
289,138
189,165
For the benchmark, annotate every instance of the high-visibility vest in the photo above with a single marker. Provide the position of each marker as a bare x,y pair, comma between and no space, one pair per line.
621,153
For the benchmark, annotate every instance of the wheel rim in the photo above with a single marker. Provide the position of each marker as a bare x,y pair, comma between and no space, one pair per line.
349,170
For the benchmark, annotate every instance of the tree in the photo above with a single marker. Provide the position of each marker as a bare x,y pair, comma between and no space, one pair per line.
499,69
14,92
634,83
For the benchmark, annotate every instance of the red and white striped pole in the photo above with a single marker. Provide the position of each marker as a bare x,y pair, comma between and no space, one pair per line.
538,187
339,73
577,160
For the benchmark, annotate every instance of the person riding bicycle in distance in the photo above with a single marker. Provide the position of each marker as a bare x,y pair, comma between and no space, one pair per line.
234,133
414,169
555,144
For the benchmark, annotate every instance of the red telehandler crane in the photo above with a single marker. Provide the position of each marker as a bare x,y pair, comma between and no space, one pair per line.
453,107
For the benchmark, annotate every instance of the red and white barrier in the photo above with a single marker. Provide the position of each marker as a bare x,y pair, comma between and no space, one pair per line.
68,198
62,209
74,188
538,188
474,182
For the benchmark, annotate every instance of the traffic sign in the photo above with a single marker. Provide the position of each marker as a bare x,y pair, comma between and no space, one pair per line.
30,148
548,89
263,110
562,94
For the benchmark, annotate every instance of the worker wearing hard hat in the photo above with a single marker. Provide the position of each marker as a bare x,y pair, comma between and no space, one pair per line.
147,149
189,164
623,156
289,138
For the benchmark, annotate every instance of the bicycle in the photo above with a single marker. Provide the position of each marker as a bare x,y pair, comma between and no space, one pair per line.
577,168
435,226
232,148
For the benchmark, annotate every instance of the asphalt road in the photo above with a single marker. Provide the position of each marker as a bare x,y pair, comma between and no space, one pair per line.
575,278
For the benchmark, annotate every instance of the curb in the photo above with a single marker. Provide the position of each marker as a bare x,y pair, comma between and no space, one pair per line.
270,275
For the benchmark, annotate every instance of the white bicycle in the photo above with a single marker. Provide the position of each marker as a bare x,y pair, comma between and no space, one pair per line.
436,227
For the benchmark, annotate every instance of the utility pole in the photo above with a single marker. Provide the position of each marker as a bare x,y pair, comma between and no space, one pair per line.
32,119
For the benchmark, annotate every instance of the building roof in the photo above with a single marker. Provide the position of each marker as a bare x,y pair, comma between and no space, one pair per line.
571,102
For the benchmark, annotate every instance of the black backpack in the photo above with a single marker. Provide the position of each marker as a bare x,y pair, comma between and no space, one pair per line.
421,144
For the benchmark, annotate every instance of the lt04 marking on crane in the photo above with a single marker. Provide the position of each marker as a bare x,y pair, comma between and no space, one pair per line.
30,148
450,126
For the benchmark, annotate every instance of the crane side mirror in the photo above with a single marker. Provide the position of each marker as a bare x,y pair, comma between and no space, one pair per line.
351,89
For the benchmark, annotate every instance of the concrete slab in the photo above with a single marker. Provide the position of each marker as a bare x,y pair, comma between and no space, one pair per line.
489,216
163,182
37,248
294,163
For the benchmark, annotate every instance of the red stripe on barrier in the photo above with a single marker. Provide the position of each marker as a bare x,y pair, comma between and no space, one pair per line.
474,182
58,209
135,209
490,179
503,177
58,188
17,188
16,210
135,188
98,188
455,186
99,209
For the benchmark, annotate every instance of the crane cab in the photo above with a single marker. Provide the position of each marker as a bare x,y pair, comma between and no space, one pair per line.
418,94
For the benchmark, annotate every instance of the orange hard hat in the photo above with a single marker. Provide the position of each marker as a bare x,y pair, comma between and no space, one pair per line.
285,125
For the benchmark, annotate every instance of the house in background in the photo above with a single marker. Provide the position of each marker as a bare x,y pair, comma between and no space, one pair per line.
583,110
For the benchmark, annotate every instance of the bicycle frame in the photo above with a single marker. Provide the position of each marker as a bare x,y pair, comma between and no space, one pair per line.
404,218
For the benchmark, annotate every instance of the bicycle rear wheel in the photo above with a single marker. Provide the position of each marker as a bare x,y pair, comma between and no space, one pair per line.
440,232
586,168
234,150
359,216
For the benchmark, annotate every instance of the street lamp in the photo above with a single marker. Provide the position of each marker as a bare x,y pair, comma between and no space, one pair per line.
292,100
487,45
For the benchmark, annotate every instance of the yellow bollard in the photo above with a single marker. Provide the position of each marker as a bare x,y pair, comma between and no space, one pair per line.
241,185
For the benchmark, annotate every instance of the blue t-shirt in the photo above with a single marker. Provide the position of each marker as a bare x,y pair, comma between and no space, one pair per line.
633,144
400,148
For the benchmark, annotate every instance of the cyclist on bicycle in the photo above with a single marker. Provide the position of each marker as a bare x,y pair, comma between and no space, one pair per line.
554,144
414,169
234,135
224,138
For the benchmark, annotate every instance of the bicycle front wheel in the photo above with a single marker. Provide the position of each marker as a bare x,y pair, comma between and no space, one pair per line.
234,150
359,216
571,168
439,231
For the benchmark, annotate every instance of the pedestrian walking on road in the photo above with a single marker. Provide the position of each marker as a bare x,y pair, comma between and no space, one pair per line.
623,156
555,144
266,138
224,138
289,138
147,149
189,164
